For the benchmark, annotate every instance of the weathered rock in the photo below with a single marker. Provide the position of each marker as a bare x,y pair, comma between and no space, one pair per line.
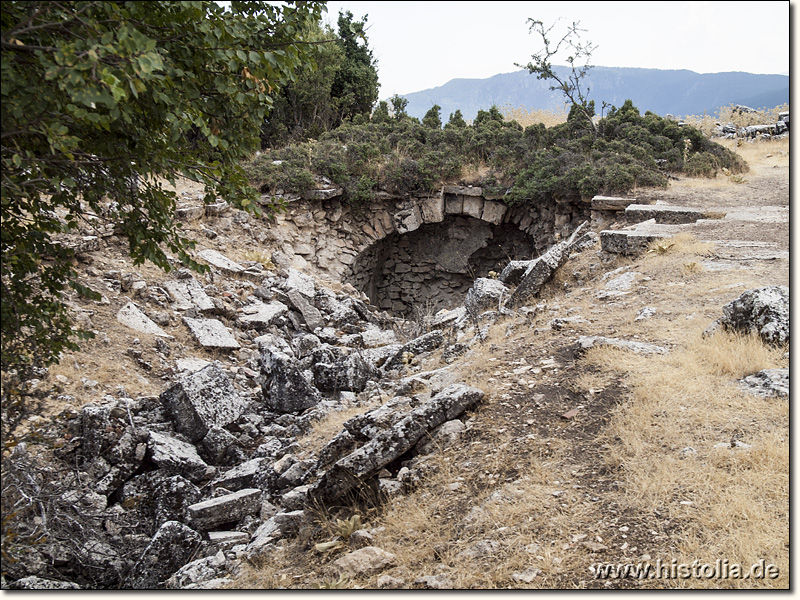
389,444
171,547
768,383
434,582
485,294
241,476
220,261
279,526
211,333
203,400
176,457
260,315
365,561
586,342
349,373
299,282
763,311
285,388
188,293
134,318
636,213
424,343
628,242
228,508
311,315
33,582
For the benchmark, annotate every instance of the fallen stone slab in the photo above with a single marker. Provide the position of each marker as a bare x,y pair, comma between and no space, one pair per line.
134,318
222,262
258,314
585,342
767,383
541,270
424,343
225,540
211,333
296,280
188,293
202,400
225,509
241,476
323,194
352,470
279,526
662,213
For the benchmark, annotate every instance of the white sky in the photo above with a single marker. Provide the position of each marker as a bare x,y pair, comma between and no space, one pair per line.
421,45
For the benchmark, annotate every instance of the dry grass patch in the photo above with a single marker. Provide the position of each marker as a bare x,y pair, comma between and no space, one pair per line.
671,443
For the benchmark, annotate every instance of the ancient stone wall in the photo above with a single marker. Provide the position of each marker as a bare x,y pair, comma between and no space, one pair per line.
418,252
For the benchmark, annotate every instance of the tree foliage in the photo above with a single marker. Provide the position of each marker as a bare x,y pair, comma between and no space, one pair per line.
344,85
105,101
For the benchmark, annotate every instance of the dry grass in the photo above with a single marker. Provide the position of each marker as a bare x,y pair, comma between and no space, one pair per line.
731,503
526,116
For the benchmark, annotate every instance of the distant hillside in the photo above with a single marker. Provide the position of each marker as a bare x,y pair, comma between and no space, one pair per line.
680,93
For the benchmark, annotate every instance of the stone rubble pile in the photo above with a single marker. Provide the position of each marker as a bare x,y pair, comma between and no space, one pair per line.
212,470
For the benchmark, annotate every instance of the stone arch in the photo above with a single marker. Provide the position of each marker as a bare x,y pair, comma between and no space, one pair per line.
418,252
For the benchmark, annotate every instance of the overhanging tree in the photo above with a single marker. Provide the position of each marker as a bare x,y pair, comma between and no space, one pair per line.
571,83
107,100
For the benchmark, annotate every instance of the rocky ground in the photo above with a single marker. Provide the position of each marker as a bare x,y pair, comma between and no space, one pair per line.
480,449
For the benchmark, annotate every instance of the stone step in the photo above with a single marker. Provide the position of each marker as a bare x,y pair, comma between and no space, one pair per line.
628,242
673,215
616,203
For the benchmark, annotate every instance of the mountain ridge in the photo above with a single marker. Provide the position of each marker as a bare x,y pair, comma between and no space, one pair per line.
675,91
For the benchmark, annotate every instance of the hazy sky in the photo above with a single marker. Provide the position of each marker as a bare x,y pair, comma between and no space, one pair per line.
420,45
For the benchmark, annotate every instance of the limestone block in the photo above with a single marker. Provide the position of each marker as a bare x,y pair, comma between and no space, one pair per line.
216,259
202,400
612,203
408,220
768,383
763,311
285,388
627,242
636,213
188,293
259,314
453,205
211,333
176,457
585,342
134,318
462,190
325,194
432,209
190,213
225,509
473,206
493,212
365,561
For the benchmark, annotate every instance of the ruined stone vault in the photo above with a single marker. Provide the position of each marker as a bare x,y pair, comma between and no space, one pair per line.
417,253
